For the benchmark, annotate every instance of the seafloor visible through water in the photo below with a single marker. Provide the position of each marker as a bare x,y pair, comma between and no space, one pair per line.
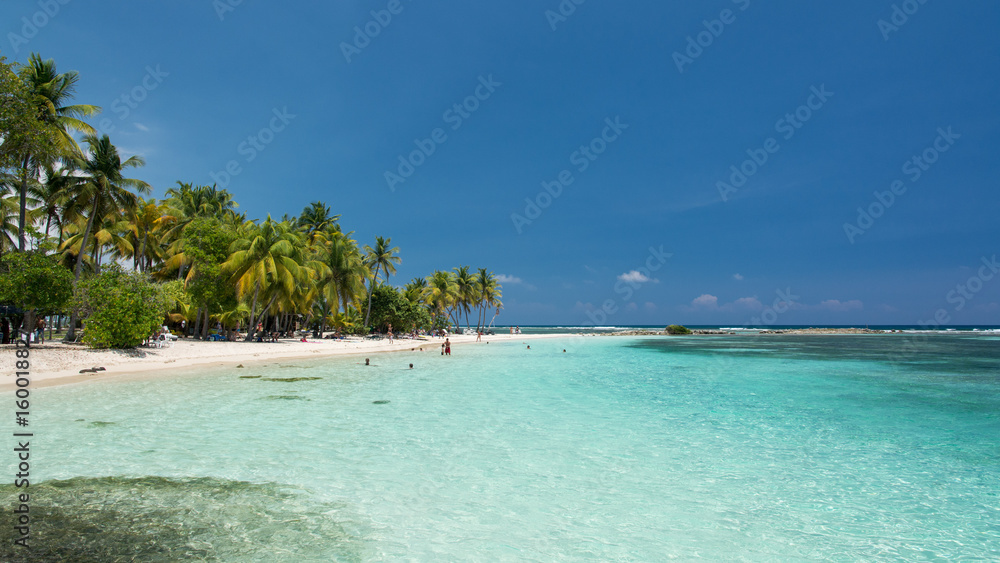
621,449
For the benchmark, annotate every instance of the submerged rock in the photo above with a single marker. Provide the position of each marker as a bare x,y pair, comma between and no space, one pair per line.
290,379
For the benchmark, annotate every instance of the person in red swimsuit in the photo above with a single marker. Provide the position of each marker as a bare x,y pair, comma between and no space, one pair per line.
447,347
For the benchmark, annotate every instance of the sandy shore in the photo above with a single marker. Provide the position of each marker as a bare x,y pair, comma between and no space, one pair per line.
60,364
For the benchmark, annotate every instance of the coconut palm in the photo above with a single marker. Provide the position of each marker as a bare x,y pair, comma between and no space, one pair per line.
441,292
185,203
489,294
109,232
8,221
345,273
51,91
316,221
383,258
53,194
148,223
104,184
466,288
415,291
265,257
105,187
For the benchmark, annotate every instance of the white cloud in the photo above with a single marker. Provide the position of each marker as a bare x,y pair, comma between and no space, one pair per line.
751,303
738,277
504,278
140,126
631,307
706,301
635,276
841,306
709,302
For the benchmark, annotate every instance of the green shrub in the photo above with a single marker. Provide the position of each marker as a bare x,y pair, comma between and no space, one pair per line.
119,309
678,329
31,280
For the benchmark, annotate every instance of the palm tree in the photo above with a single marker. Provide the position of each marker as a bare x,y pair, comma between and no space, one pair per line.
51,92
151,218
415,291
104,186
344,275
466,287
185,204
441,292
264,257
489,294
110,230
382,257
8,221
53,194
316,221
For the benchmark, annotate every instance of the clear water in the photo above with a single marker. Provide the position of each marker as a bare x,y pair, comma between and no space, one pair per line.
621,449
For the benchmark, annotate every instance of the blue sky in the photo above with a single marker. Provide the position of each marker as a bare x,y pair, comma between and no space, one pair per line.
838,97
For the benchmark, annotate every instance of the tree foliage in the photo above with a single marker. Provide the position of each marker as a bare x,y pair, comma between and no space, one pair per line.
33,281
120,309
22,132
389,306
206,243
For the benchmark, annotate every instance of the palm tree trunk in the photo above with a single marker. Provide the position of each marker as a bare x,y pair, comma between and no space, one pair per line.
253,313
142,248
371,291
197,323
22,214
48,223
205,327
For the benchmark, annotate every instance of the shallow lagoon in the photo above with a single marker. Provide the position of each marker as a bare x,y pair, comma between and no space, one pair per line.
753,448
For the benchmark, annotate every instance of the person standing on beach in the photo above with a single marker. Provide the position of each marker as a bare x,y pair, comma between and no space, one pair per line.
40,330
447,347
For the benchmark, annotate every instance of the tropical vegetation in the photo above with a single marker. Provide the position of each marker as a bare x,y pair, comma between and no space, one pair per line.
67,194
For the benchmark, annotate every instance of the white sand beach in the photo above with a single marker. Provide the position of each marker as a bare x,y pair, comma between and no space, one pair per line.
56,363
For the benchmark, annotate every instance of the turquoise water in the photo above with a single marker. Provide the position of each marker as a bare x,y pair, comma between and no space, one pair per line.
621,449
